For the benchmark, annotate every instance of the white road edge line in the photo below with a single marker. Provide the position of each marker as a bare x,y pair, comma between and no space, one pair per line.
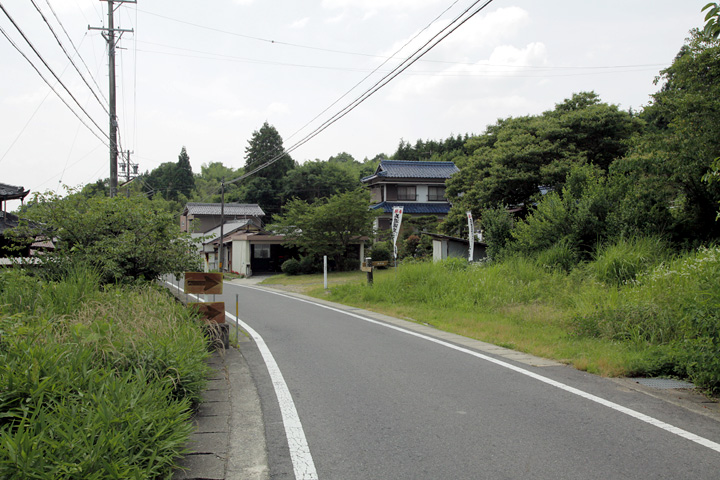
300,455
588,396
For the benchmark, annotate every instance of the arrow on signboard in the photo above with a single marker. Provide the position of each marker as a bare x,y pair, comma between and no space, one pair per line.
211,312
205,283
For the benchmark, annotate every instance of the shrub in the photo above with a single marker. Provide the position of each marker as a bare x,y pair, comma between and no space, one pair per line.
381,252
410,245
309,265
622,261
291,267
561,256
103,390
497,225
350,264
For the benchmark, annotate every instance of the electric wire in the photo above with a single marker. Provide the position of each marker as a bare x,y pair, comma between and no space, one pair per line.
92,77
375,70
54,90
72,62
48,67
424,49
224,57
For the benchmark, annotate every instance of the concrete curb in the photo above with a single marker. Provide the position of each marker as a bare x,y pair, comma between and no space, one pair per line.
229,439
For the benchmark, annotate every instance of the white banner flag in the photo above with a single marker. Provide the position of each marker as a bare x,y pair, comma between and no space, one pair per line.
396,221
471,236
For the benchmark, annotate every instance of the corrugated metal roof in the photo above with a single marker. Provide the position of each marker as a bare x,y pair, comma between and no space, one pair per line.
411,169
414,208
249,209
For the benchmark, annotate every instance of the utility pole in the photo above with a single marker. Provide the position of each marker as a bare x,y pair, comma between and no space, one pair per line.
128,170
222,223
109,34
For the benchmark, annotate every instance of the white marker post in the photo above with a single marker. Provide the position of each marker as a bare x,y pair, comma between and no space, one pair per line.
325,270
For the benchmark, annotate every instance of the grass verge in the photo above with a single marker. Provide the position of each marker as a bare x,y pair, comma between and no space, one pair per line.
98,387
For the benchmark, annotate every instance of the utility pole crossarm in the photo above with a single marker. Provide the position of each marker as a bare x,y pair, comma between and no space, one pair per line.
109,34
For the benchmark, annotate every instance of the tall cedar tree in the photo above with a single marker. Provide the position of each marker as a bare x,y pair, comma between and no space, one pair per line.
265,187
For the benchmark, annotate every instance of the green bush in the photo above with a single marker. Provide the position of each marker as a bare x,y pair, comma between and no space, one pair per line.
350,264
381,252
308,265
103,390
291,267
561,256
497,224
620,262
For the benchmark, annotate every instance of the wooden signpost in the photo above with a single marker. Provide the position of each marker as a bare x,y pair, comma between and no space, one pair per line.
213,312
204,283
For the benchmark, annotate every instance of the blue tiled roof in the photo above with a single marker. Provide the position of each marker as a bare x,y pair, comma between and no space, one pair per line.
414,208
411,169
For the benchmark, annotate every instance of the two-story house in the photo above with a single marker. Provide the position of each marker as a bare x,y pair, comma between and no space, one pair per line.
419,187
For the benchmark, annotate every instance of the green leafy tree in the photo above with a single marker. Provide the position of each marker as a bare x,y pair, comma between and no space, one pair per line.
327,226
683,139
126,239
265,186
317,179
497,225
207,183
712,26
516,156
576,217
175,181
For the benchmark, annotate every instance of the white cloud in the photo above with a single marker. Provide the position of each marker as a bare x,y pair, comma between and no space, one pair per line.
505,61
277,109
380,4
336,19
302,23
227,114
244,2
470,39
534,54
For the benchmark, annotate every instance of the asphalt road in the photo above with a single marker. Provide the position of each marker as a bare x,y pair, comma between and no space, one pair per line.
380,403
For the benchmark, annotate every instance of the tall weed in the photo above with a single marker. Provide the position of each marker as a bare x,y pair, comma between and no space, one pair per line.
94,383
621,262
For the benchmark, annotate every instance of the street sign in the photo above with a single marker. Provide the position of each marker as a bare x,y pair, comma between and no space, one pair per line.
205,283
213,312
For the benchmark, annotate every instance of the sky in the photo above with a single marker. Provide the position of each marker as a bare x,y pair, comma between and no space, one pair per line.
206,75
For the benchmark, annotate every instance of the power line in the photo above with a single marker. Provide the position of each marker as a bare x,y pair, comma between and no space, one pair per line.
344,52
534,68
67,54
51,87
46,66
92,77
456,23
375,70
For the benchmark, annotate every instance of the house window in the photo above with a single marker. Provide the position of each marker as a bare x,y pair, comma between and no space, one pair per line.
262,251
406,193
436,194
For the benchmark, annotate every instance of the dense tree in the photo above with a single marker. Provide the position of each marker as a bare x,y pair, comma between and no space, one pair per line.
175,181
327,226
429,150
126,239
265,186
207,183
682,141
317,179
514,158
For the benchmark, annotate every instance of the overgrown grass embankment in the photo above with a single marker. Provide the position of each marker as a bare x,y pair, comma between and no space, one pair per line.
94,383
633,310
